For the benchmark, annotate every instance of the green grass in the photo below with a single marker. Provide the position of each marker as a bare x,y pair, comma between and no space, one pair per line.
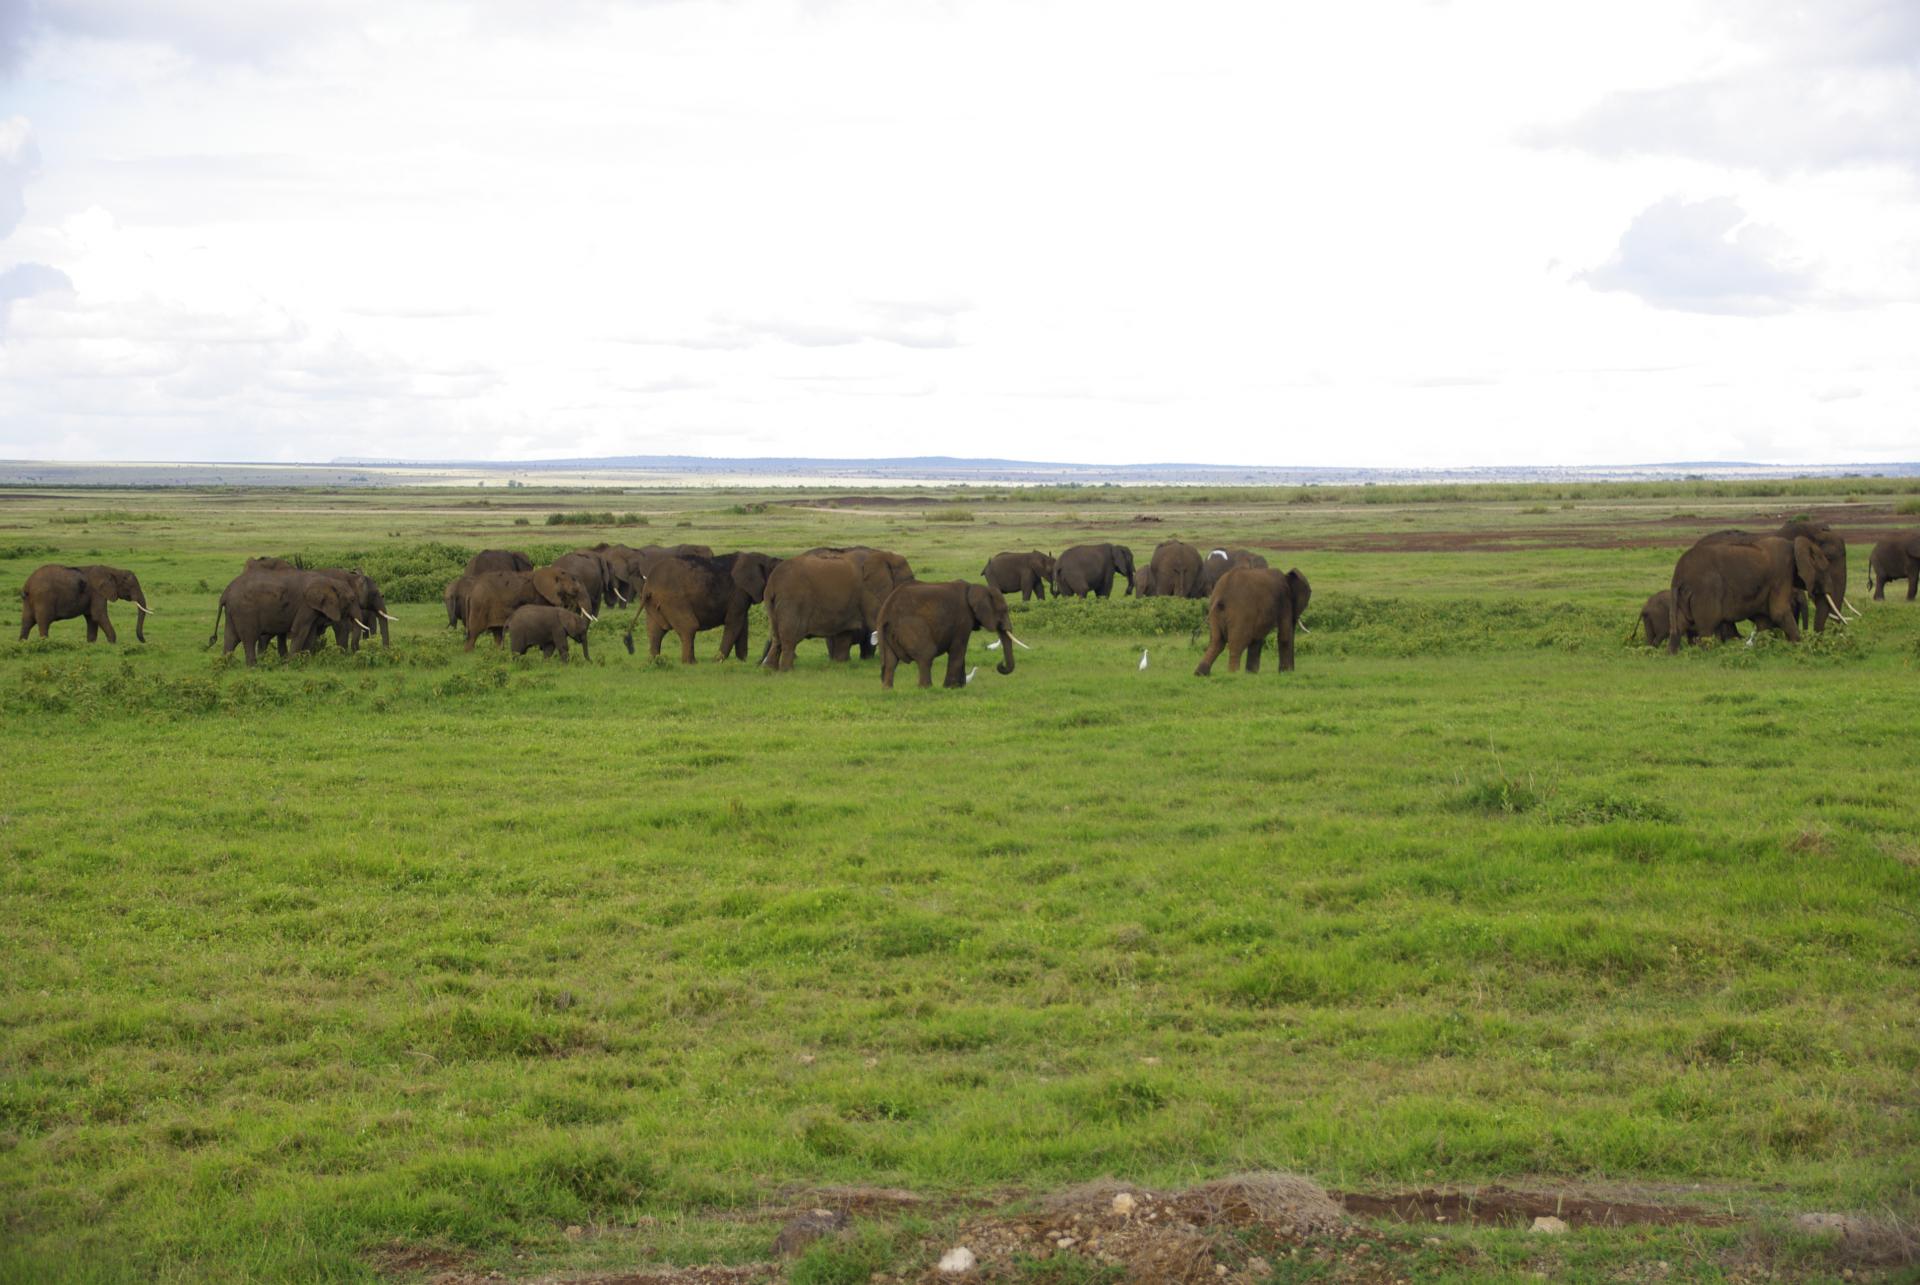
459,951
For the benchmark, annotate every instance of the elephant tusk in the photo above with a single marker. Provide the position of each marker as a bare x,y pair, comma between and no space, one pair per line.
143,607
590,616
394,619
873,639
1016,642
1840,615
1848,604
1302,628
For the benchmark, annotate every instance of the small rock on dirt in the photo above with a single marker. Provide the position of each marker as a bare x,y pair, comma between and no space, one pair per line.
1123,1204
803,1229
957,1260
1548,1225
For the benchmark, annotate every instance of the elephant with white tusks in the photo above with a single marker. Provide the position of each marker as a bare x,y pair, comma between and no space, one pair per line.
919,622
62,593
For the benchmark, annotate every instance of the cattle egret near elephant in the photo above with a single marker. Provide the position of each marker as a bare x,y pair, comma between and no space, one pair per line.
970,674
1143,658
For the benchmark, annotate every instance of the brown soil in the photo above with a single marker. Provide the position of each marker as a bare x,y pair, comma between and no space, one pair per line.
1497,1206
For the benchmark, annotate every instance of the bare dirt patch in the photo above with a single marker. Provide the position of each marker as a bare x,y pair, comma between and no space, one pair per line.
1499,1207
404,1259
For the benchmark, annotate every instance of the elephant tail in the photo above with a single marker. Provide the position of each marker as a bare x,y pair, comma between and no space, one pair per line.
214,637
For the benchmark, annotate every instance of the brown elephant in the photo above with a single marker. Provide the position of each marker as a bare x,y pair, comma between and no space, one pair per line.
498,560
1730,576
920,621
1090,568
1895,559
1656,619
372,604
494,594
1177,570
835,596
1143,583
455,598
60,593
1220,561
595,573
1030,573
548,628
898,572
1248,604
290,607
1831,598
687,594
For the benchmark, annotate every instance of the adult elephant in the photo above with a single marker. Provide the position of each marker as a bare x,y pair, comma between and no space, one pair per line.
494,594
1248,604
61,593
1220,561
685,595
498,560
1731,576
920,621
898,572
1027,572
1894,559
595,574
1178,571
1831,599
372,603
835,596
292,607
1090,568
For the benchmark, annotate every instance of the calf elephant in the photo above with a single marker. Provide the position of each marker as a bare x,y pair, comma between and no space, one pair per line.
835,596
498,560
921,621
1248,604
290,606
1656,619
685,595
1731,576
1090,568
61,593
1895,559
1220,561
1028,572
1177,571
547,628
494,594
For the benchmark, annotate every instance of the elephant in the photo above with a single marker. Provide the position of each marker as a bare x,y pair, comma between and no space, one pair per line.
1247,604
498,560
372,604
455,597
292,607
1177,570
688,594
55,593
922,620
1143,583
1090,568
1828,599
548,628
1656,619
494,595
1030,573
835,596
1730,576
595,573
1220,561
1895,559
898,572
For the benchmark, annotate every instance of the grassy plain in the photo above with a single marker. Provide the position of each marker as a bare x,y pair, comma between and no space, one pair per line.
421,949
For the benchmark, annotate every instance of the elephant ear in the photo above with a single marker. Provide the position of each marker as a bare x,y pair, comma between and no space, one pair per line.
1123,560
1808,561
750,575
980,601
323,598
1911,546
1299,592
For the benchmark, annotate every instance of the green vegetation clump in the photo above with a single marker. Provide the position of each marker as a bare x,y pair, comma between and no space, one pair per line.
949,515
596,519
1908,508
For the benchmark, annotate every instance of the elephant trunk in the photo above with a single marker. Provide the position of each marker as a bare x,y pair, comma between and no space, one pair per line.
1006,651
140,616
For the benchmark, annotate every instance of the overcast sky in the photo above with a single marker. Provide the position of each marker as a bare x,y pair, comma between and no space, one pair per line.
1417,233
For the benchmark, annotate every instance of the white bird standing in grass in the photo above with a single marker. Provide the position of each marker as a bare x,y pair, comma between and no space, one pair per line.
970,674
1143,659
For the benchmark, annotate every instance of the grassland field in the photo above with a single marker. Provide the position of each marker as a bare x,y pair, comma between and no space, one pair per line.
307,968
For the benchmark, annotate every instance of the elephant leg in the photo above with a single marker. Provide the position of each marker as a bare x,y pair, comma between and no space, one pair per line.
1216,642
1913,584
560,648
499,633
1235,650
926,669
840,647
93,629
473,635
956,666
281,641
686,632
251,644
26,623
785,662
1286,649
889,661
656,631
1253,654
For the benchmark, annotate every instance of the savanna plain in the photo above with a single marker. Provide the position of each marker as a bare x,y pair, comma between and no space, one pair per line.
419,964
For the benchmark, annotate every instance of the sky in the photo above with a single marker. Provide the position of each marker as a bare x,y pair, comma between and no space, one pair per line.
1396,234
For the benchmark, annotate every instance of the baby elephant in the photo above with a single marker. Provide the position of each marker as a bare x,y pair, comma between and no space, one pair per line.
547,628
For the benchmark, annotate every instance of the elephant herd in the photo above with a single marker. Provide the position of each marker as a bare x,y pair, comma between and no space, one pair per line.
858,596
1772,580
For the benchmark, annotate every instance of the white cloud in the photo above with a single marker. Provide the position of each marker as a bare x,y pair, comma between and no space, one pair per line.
1704,256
